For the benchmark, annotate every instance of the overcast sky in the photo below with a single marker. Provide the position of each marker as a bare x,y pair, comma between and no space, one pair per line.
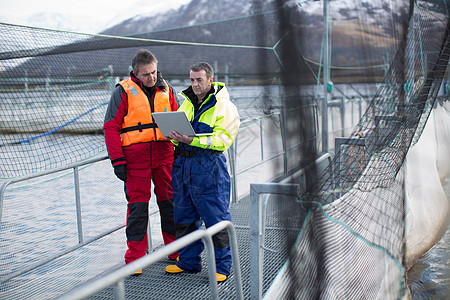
86,16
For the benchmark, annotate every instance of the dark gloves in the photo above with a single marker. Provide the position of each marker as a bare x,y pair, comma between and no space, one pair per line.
121,172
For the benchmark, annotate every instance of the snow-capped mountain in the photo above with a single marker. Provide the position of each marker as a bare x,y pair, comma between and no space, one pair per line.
82,16
204,11
64,22
195,12
247,36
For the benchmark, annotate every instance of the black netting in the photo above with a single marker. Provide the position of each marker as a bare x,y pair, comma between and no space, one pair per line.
352,242
55,85
387,59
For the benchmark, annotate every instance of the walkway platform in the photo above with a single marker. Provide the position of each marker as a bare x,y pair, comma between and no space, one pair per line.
42,261
155,283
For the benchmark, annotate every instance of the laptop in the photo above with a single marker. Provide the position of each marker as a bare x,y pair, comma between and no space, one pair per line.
175,120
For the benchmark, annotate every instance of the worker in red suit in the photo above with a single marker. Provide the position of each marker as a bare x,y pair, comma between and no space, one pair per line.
139,152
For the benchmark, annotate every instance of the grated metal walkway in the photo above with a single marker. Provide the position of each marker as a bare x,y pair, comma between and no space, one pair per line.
155,283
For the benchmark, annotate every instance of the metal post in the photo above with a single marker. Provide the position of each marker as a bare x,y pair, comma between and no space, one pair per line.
2,196
360,107
261,138
283,116
343,115
256,229
236,263
326,4
256,253
235,146
232,158
353,109
216,71
211,266
78,204
26,81
227,67
119,290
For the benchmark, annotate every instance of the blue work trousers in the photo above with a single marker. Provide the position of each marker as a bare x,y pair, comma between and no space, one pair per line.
201,192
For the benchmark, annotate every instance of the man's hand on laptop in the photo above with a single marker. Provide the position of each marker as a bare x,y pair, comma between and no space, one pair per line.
174,135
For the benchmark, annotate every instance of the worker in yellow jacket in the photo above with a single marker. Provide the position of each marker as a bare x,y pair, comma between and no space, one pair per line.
200,179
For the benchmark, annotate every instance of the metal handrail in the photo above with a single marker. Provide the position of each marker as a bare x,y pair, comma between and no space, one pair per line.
257,207
117,277
256,229
233,149
81,241
59,254
43,173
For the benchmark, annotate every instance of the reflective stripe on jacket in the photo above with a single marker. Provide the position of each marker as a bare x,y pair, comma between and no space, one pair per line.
217,115
138,125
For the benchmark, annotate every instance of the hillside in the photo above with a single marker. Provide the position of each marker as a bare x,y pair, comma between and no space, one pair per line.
234,34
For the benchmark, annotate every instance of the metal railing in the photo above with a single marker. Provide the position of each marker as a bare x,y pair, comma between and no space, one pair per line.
257,220
256,229
259,122
232,152
283,153
81,241
117,277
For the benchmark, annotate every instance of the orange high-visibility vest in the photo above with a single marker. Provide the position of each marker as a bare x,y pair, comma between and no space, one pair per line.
138,125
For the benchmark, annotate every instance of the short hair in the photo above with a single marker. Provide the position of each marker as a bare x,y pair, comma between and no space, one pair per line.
142,57
203,66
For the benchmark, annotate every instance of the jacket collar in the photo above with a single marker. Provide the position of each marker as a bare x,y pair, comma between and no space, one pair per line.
189,92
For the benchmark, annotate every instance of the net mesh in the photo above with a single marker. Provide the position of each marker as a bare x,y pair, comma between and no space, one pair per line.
352,243
55,86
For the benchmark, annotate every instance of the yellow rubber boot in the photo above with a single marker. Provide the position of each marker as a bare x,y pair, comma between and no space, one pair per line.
221,277
173,269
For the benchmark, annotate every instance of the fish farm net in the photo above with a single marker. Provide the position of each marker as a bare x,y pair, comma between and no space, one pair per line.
350,241
351,244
